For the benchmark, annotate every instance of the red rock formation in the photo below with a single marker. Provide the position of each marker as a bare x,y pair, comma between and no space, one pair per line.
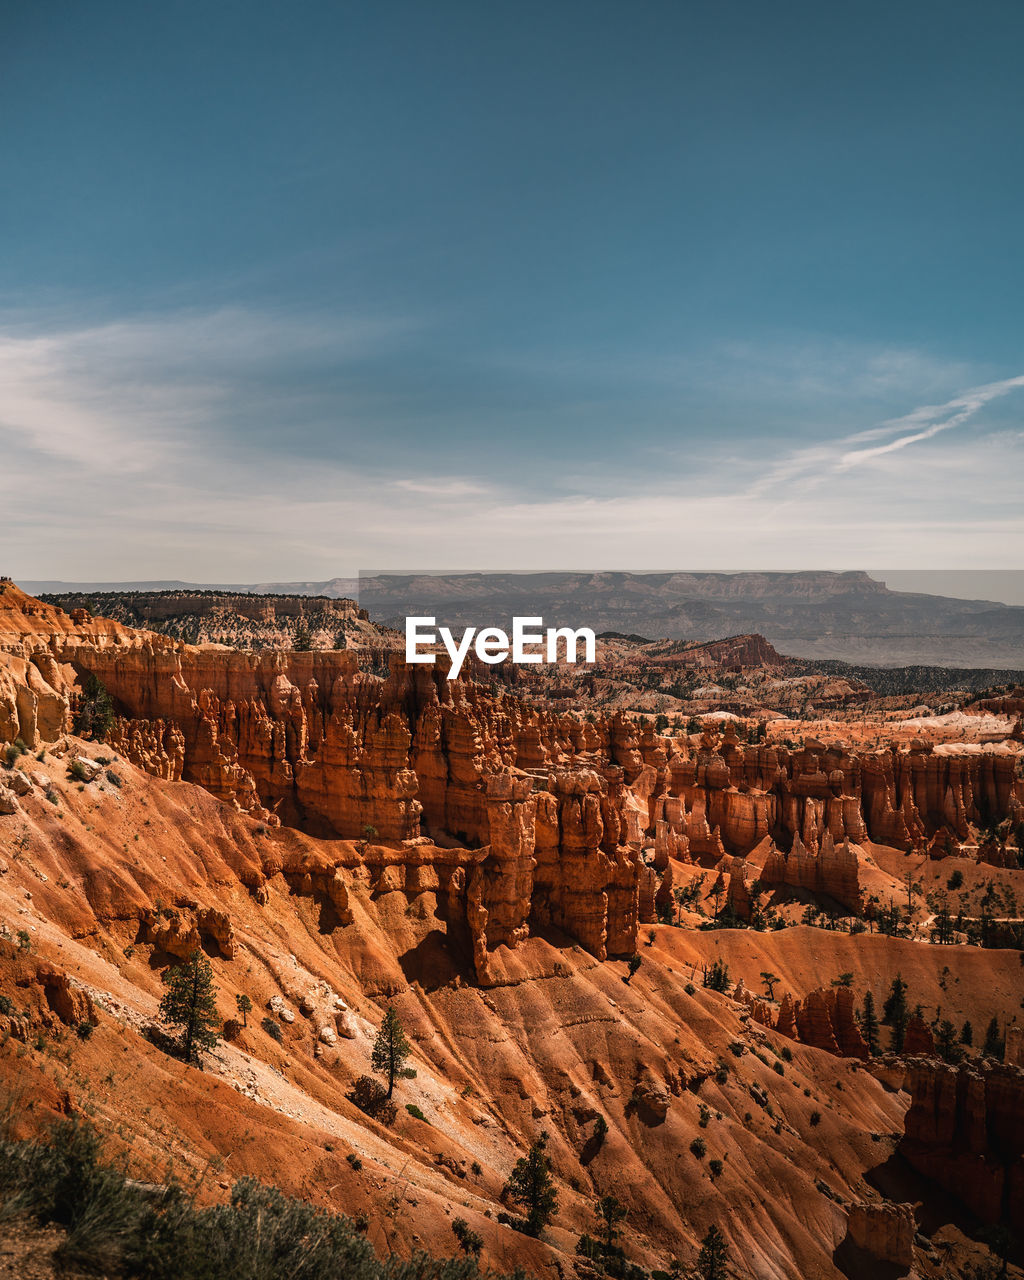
786,1021
832,871
824,1019
885,1230
814,1021
919,1038
70,1003
180,932
965,1130
552,809
734,795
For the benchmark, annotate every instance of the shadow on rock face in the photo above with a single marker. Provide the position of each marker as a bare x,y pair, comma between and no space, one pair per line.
431,962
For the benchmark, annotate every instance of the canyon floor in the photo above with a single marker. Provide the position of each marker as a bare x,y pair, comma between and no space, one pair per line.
338,833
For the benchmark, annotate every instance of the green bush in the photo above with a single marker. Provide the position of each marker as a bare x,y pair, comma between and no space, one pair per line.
415,1112
371,1097
273,1029
113,1226
95,712
699,1148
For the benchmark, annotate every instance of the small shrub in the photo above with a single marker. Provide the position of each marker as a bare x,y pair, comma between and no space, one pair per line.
690,989
273,1029
779,1069
6,1006
114,779
52,796
84,1030
699,1148
815,1117
475,1169
354,1161
717,977
371,1097
955,880
722,1074
787,1053
415,1112
77,772
716,1167
469,1241
737,1049
24,940
232,1029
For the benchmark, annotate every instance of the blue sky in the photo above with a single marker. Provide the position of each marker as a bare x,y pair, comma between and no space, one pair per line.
292,290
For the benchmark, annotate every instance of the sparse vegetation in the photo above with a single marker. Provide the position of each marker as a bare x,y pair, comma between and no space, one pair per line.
115,1226
530,1184
469,1241
390,1049
94,715
716,978
372,1098
190,1002
713,1258
273,1029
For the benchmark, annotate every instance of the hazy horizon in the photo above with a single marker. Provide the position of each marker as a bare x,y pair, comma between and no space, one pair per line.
1002,586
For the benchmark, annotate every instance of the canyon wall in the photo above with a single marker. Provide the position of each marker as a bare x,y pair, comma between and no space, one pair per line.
965,1131
558,808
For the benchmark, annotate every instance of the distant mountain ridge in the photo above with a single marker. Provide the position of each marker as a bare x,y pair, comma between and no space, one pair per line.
849,616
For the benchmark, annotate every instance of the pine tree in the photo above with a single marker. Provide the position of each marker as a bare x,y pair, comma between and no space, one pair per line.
769,979
994,1045
190,1002
946,1042
713,1256
244,1006
869,1024
611,1213
942,927
530,1184
95,713
390,1049
895,1013
303,640
967,1034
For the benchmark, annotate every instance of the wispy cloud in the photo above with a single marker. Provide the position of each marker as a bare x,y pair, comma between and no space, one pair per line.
130,450
443,486
928,421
